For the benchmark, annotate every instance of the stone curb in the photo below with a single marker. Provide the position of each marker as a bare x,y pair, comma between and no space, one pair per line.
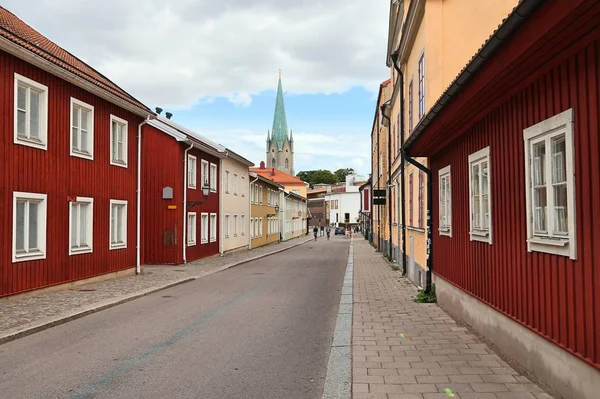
11,336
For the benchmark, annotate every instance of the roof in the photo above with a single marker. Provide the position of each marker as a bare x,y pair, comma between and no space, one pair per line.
265,180
278,176
23,36
280,129
383,84
184,134
317,191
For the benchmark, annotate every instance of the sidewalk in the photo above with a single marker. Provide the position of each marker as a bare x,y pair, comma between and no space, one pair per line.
405,350
25,315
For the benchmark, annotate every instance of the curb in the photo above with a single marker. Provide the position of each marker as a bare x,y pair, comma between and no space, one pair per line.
11,336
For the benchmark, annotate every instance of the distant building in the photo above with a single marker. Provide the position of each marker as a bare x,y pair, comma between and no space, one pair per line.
291,183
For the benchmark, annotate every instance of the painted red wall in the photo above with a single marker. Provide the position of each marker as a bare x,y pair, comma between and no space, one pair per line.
551,295
57,174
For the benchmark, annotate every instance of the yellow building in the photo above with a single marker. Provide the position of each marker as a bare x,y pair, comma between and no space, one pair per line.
428,43
265,203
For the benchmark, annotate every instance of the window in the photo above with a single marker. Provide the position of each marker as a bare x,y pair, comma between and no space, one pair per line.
213,177
204,220
268,196
243,228
205,175
479,201
227,181
256,227
118,224
192,164
550,186
213,227
235,225
260,194
31,113
191,229
82,129
252,193
422,86
287,163
421,199
260,227
118,141
380,164
226,226
445,202
29,226
410,200
251,227
273,162
410,106
235,184
81,225
243,186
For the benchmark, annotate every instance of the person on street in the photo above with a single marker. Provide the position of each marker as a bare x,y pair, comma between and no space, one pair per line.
322,230
315,231
328,232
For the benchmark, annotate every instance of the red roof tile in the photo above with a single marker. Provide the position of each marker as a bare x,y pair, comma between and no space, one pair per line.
15,30
277,176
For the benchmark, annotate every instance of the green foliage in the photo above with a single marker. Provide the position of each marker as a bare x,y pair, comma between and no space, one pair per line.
341,174
422,297
320,176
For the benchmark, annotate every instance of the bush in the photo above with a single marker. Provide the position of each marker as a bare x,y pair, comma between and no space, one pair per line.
423,297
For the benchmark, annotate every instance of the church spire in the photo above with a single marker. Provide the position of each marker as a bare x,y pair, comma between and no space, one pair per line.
280,130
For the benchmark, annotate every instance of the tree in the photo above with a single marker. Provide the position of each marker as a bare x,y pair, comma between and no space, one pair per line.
341,174
320,176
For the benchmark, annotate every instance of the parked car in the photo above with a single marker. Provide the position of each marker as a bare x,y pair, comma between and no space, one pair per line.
340,230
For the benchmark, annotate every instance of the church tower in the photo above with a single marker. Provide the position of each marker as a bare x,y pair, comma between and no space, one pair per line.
280,144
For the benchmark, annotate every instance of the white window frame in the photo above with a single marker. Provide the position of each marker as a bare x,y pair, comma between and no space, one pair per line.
235,184
445,230
113,161
565,245
123,244
42,143
252,193
204,174
213,227
204,226
192,227
78,152
477,158
89,202
251,227
227,181
192,171
260,194
213,177
243,186
260,227
226,225
41,199
235,227
243,225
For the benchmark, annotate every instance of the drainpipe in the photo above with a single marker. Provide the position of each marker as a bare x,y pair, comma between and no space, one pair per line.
221,196
138,258
250,210
185,176
379,206
285,212
385,108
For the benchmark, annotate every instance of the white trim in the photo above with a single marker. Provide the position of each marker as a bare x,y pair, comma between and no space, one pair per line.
123,225
90,130
235,184
445,231
42,143
213,166
204,174
559,124
226,183
243,224
243,185
205,227
213,231
194,229
235,225
226,225
125,133
42,234
192,184
89,202
479,157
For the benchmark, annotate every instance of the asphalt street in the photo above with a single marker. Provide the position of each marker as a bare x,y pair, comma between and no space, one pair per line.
259,330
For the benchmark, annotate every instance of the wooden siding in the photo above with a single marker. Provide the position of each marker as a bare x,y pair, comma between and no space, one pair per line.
552,295
55,173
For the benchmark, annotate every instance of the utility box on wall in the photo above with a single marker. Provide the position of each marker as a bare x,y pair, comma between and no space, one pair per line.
167,193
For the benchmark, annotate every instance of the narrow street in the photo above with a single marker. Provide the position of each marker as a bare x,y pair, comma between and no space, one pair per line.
261,330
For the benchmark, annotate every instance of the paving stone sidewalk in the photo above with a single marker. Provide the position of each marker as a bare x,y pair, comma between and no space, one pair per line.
24,315
405,350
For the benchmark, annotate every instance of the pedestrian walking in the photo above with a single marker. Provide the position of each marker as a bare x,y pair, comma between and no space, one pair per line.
328,232
315,231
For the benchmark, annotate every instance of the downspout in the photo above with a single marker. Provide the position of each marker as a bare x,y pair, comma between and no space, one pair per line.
250,210
389,186
185,176
220,217
379,206
138,257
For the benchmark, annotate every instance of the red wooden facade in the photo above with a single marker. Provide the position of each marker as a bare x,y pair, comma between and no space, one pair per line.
162,228
58,174
551,65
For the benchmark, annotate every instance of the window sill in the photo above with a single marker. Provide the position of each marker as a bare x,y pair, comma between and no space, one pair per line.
549,241
416,229
445,232
481,236
119,164
83,155
80,251
561,247
118,246
191,187
40,145
204,241
191,244
27,256
213,240
213,190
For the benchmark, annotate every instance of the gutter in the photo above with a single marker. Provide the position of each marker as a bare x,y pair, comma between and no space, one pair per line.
138,257
185,177
510,26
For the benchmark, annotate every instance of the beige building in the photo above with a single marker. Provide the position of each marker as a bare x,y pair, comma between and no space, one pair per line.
265,200
428,44
235,202
293,216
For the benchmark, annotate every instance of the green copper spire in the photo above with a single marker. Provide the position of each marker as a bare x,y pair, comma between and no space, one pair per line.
279,122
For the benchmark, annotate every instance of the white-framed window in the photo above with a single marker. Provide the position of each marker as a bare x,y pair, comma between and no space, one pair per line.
118,141
213,227
422,85
82,129
260,227
260,194
213,177
243,186
252,193
226,226
81,226
445,202
480,201
227,181
118,224
31,113
251,227
29,226
235,184
192,223
204,176
235,225
550,186
243,227
204,227
192,171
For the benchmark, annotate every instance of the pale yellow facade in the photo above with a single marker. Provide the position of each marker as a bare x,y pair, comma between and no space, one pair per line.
434,40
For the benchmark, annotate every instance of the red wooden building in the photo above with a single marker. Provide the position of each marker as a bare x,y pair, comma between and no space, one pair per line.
68,165
514,148
180,193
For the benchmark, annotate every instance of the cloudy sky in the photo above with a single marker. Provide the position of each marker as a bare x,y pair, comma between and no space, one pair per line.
214,65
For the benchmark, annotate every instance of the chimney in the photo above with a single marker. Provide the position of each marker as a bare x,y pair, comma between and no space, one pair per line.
158,110
262,164
169,115
272,171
